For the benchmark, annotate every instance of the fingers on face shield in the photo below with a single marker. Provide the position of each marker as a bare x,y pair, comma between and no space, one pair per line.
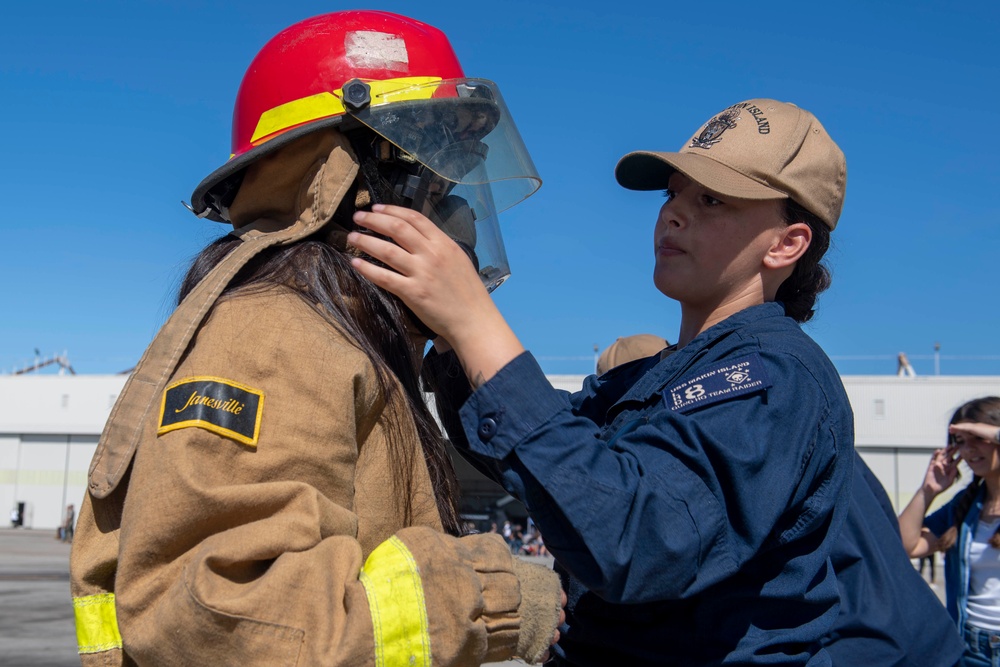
468,216
466,212
451,151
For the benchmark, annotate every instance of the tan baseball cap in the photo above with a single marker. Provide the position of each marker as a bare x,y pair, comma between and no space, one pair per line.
758,149
629,348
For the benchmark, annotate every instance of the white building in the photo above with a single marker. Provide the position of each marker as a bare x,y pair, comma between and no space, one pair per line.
49,428
899,421
50,425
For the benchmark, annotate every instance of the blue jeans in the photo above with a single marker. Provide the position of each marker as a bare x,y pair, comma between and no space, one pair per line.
982,647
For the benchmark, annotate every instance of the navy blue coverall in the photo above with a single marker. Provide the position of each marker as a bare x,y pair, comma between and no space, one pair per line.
889,616
691,503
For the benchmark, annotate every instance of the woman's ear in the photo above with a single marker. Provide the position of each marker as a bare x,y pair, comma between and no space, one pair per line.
792,242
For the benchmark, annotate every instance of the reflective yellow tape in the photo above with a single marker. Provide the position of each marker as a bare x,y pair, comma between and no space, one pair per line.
326,104
396,600
96,623
296,112
403,89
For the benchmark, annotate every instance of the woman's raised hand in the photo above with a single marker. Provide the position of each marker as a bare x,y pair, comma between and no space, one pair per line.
435,278
943,470
989,432
429,271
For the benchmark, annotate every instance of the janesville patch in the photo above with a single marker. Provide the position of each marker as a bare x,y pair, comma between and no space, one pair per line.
231,409
735,378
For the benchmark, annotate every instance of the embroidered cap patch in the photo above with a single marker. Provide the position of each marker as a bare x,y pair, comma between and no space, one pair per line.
735,378
231,409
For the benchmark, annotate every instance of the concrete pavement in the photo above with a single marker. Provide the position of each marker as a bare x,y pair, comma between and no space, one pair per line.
36,612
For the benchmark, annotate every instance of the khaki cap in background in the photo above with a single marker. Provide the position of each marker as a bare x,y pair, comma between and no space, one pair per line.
629,348
758,149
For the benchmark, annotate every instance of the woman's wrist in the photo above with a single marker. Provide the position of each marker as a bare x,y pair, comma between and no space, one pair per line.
485,346
929,493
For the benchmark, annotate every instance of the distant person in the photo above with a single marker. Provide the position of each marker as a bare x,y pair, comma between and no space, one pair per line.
929,563
66,533
888,615
629,348
516,539
966,528
691,502
903,367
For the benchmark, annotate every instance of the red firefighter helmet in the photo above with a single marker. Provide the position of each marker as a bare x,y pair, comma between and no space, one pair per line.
397,76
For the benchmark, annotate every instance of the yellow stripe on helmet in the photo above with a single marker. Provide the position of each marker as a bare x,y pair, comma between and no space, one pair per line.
295,113
96,623
327,104
396,601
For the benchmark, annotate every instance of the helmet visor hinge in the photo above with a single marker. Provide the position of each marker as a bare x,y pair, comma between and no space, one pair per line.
357,94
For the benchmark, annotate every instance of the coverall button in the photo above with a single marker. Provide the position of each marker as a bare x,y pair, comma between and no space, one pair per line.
487,428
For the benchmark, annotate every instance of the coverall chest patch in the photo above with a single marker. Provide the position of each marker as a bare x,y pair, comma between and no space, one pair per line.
231,409
734,378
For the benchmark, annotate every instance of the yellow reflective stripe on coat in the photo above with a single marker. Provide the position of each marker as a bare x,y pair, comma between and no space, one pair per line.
396,600
96,623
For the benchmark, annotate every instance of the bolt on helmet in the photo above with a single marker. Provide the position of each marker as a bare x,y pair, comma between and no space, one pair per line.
427,136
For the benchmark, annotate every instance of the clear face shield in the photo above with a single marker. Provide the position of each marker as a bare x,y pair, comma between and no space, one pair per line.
457,157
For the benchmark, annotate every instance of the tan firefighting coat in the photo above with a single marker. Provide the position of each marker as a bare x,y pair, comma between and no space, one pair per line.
243,511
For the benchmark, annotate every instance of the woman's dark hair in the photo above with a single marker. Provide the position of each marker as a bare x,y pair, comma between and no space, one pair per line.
373,320
809,277
984,410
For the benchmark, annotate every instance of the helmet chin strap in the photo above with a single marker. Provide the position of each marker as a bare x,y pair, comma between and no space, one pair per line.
383,180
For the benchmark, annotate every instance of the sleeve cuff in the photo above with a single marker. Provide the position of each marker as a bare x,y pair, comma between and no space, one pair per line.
512,405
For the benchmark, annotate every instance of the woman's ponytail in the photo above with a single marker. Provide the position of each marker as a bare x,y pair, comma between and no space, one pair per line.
809,277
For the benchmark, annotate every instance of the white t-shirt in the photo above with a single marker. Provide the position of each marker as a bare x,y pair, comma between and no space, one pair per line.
984,578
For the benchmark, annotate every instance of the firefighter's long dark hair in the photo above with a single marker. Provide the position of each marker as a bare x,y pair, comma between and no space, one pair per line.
322,276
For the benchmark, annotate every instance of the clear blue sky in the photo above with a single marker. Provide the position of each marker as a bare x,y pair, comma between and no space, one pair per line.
111,113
